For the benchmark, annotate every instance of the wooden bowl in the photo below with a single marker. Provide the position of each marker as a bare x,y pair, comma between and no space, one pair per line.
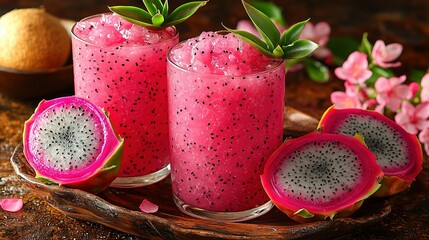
26,84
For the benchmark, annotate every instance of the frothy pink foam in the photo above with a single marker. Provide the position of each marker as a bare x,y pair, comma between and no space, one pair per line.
220,54
110,30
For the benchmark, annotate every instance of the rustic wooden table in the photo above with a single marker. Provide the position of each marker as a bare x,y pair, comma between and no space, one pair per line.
406,22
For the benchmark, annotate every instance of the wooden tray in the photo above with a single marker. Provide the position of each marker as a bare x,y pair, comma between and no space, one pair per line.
118,209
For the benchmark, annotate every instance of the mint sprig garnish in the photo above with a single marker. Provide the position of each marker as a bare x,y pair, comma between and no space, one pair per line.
156,15
286,45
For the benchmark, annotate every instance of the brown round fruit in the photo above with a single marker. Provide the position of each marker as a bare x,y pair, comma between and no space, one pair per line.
31,39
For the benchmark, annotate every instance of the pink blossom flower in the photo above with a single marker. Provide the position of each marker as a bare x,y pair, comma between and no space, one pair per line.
424,138
391,92
353,97
424,95
383,54
343,100
413,118
319,34
354,69
11,204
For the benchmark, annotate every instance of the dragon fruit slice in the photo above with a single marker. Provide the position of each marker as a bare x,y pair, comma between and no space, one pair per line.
398,152
321,175
69,141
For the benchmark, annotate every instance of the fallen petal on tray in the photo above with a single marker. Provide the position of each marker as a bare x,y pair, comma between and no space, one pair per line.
11,204
148,207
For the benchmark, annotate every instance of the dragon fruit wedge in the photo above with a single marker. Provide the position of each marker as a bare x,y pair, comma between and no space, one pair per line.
398,152
320,175
69,141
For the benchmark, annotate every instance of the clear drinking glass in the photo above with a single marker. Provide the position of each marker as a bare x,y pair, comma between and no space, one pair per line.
128,79
222,130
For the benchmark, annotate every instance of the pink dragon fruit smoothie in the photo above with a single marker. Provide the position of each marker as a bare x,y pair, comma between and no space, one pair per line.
121,67
226,104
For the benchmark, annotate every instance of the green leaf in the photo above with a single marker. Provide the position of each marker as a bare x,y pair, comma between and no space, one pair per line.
304,213
158,4
416,75
165,9
293,33
151,7
157,16
291,62
272,45
278,51
316,70
264,25
383,72
107,168
366,46
341,48
133,13
299,49
379,72
158,19
271,10
183,12
45,179
252,39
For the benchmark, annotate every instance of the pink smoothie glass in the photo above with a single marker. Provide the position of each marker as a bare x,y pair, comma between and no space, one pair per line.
121,67
226,105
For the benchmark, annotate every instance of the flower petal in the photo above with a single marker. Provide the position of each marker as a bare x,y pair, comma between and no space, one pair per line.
411,128
424,94
148,207
422,110
420,125
403,92
359,58
408,109
378,52
390,65
393,103
424,136
342,100
425,80
11,204
322,29
365,75
401,118
339,72
382,85
394,81
393,51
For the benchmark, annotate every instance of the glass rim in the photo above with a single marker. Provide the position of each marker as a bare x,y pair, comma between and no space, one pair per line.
276,63
74,36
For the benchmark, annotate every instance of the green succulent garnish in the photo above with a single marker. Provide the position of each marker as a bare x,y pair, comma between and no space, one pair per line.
156,15
286,45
